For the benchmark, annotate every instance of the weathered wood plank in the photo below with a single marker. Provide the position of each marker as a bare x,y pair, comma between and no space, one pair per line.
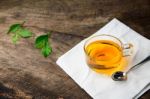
76,17
24,69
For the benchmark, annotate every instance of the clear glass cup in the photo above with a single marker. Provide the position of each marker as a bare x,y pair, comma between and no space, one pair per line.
106,54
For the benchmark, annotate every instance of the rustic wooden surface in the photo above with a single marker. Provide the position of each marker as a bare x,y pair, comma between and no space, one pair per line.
26,74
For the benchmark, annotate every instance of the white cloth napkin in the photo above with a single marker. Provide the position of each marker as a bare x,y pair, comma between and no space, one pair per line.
99,86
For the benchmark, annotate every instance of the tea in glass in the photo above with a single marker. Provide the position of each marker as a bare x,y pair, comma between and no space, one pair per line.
104,54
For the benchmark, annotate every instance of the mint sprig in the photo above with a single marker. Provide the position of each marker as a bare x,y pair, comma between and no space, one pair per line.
42,42
18,31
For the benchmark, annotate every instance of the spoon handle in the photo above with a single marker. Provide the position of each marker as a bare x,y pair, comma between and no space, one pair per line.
143,61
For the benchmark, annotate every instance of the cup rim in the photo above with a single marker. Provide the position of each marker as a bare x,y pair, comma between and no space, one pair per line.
97,36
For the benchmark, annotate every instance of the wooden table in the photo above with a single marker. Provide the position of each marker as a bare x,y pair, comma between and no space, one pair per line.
25,73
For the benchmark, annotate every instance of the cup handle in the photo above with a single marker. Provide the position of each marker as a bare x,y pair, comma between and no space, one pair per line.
127,49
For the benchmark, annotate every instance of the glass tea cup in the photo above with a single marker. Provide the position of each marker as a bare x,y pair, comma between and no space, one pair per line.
106,54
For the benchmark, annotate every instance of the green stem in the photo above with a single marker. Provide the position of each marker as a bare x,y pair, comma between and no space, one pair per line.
49,33
23,23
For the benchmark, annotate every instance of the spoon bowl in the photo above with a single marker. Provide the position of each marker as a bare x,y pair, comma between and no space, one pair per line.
119,76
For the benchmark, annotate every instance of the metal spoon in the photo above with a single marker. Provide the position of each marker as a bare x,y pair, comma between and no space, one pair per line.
122,76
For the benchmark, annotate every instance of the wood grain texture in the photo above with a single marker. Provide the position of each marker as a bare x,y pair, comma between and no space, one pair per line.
25,73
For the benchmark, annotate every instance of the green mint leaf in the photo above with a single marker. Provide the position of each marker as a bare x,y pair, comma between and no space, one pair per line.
25,33
19,31
46,50
15,38
41,41
13,28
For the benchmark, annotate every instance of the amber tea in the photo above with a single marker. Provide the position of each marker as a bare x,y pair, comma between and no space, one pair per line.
105,55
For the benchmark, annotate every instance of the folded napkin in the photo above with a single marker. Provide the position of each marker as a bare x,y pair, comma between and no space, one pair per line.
99,86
